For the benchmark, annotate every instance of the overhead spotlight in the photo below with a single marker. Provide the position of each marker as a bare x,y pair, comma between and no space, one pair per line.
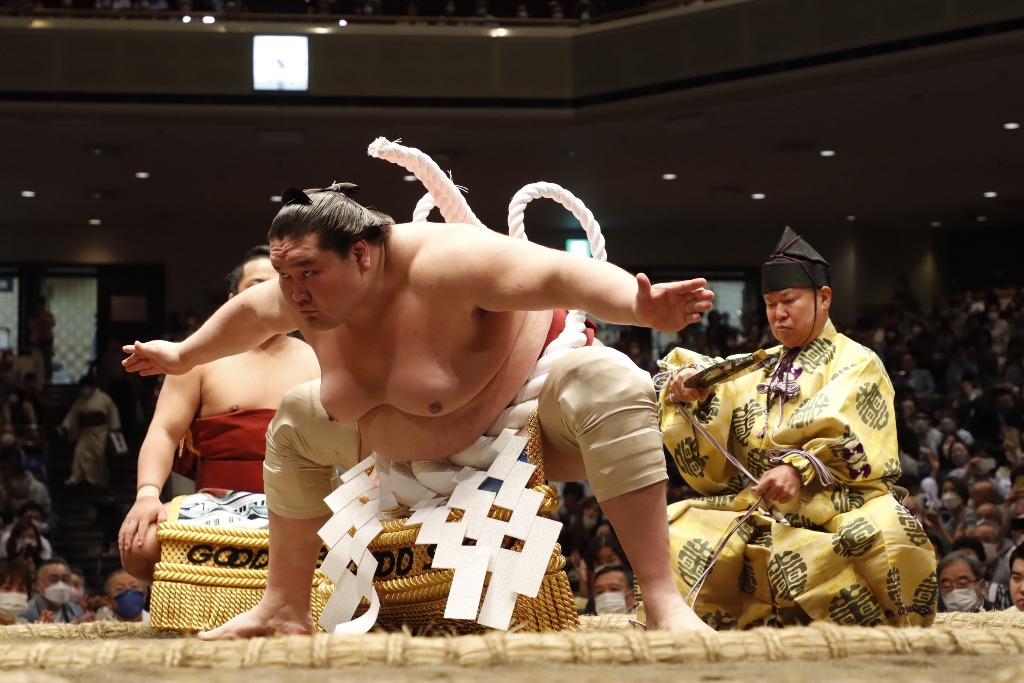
95,221
208,19
141,175
186,19
981,219
342,22
851,218
936,224
1012,125
827,152
757,195
668,176
499,33
276,199
990,195
28,194
409,178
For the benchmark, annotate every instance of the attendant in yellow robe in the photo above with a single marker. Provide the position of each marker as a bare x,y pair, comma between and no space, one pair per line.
815,424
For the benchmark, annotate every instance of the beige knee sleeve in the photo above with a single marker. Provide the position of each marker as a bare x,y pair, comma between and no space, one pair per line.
598,405
303,449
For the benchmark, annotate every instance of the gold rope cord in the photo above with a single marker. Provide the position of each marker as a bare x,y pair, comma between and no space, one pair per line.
603,640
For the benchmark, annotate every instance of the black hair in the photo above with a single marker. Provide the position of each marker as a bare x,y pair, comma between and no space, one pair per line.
232,279
332,215
616,568
974,544
18,571
1017,554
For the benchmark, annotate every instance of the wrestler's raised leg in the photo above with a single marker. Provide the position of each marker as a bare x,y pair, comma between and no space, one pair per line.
599,421
284,608
641,525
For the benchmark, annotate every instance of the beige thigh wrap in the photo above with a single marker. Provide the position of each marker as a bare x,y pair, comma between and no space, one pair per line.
304,448
597,405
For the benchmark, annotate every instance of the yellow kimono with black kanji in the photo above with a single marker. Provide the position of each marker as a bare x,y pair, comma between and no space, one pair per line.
847,552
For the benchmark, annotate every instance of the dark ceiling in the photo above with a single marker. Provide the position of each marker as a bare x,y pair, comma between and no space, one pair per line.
918,137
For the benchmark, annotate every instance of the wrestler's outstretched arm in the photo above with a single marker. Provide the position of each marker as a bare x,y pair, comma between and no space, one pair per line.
243,323
504,273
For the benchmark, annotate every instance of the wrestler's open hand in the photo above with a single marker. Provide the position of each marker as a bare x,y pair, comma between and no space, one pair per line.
671,306
779,484
147,511
154,358
684,394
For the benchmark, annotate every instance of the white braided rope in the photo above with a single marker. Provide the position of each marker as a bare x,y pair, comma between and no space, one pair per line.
452,204
423,208
573,335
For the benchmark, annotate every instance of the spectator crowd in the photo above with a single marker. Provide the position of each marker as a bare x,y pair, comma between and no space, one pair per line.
957,367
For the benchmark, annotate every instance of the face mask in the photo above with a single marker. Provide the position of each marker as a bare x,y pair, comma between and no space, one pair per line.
961,599
77,594
921,426
991,551
57,593
611,602
11,605
23,543
952,501
589,522
959,458
947,425
129,603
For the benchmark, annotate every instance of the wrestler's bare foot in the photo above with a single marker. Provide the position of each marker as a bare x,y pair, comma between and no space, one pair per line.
670,613
262,621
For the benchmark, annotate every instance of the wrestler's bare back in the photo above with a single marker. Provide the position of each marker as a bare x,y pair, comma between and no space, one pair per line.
424,377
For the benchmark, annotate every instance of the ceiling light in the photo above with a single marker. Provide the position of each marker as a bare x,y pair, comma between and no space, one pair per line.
208,19
499,33
141,175
851,218
981,219
186,19
757,195
990,195
936,224
342,22
409,178
1012,125
95,221
827,152
668,176
276,199
28,194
